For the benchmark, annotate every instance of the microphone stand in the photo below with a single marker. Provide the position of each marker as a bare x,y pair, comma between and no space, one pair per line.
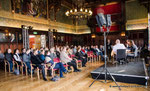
105,66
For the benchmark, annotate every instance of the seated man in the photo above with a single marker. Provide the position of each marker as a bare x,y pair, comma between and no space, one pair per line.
66,59
26,57
9,58
99,53
38,63
49,62
53,53
116,47
42,55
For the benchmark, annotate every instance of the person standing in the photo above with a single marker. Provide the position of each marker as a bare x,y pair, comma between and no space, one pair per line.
109,48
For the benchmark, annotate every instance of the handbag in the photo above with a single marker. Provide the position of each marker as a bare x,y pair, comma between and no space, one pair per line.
16,72
55,78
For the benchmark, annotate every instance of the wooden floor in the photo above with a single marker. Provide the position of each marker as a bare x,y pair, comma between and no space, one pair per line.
73,82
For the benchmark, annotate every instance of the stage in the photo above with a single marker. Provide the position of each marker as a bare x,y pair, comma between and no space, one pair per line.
132,72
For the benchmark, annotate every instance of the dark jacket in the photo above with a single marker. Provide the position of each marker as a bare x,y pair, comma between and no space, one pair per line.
79,55
36,60
108,46
9,56
58,54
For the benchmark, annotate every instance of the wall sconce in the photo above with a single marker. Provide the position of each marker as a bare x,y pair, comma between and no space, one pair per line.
54,36
123,34
93,36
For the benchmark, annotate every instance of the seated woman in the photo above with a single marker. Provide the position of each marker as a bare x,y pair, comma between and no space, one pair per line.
17,57
59,65
26,57
66,59
9,58
80,56
132,49
58,52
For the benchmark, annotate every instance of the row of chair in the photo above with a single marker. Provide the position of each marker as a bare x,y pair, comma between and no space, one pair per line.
23,65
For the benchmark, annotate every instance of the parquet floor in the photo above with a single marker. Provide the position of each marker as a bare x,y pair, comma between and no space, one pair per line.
72,82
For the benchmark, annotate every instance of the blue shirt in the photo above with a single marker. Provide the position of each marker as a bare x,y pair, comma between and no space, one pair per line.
42,57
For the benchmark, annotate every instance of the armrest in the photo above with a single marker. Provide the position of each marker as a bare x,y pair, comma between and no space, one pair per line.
15,62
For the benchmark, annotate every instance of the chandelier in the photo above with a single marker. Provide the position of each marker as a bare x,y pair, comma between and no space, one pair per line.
78,10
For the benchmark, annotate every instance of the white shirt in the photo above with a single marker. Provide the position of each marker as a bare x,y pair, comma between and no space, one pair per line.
17,57
118,46
98,50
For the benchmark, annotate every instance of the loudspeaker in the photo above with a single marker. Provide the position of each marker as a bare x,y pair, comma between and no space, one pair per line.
108,20
101,19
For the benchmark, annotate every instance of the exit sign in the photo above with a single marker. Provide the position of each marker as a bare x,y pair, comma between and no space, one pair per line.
34,32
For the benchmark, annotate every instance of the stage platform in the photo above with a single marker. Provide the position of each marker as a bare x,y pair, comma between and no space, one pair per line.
132,72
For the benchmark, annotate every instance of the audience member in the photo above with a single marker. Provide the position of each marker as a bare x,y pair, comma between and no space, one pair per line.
17,57
27,60
81,57
66,59
42,55
38,63
9,58
59,65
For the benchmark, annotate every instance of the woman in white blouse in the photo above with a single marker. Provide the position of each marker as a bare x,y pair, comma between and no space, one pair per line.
17,57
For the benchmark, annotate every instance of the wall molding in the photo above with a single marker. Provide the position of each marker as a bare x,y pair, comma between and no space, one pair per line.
10,19
137,24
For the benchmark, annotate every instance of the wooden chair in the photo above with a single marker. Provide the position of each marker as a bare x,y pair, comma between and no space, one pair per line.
37,69
48,67
79,62
26,68
6,63
89,56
